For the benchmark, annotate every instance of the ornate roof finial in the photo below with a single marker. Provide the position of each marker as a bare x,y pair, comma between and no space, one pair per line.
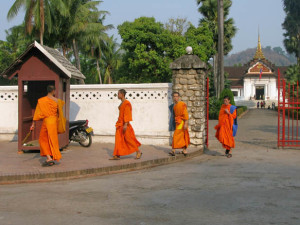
259,54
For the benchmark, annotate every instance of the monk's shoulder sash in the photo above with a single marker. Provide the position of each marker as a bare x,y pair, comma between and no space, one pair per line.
235,124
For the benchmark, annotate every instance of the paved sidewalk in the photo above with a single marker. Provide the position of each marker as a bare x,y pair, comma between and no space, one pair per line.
257,131
78,162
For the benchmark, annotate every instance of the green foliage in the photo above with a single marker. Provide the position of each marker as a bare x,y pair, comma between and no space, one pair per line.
177,26
291,24
241,109
200,39
111,59
227,92
292,74
38,15
7,57
88,65
150,48
214,108
215,104
208,9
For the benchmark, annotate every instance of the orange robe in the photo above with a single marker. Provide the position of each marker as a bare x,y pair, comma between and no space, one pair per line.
224,128
125,144
181,137
47,110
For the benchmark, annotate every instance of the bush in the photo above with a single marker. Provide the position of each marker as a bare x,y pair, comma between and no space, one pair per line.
227,92
214,108
241,109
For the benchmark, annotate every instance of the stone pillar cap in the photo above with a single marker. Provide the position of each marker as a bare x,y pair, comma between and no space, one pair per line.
188,62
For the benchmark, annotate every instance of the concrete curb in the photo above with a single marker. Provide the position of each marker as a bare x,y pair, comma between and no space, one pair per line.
90,172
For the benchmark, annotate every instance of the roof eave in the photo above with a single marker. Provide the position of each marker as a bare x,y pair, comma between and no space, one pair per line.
52,59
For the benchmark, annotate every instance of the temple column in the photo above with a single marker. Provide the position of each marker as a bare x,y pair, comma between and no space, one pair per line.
253,90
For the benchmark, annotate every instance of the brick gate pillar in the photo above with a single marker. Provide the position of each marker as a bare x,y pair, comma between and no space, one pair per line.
189,79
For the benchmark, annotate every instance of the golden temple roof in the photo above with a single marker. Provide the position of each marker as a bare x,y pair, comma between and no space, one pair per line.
259,54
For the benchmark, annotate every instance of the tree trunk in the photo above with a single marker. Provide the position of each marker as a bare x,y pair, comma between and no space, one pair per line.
221,45
98,70
64,51
42,21
41,38
77,59
76,55
109,78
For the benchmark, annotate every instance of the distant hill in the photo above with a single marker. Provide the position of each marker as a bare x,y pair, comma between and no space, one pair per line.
275,55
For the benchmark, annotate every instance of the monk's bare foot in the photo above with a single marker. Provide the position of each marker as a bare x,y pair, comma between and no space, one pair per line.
184,152
138,155
115,157
48,163
172,153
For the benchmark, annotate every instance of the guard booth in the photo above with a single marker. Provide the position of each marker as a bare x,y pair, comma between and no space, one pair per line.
35,69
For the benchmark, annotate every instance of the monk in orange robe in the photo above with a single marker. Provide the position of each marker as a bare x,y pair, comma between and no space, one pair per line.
47,110
125,140
224,129
181,138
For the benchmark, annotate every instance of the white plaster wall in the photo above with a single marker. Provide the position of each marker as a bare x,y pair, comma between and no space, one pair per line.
99,104
247,89
273,89
8,112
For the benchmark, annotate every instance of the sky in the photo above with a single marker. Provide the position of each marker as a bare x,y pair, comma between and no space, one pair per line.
248,15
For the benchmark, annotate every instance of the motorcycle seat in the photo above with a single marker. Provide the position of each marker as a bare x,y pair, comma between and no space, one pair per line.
77,123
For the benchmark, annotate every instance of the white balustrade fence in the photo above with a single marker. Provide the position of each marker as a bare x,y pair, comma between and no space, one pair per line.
99,104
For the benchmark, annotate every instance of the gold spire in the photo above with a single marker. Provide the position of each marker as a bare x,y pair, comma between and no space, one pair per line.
259,54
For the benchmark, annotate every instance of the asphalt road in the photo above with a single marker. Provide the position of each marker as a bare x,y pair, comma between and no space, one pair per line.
258,185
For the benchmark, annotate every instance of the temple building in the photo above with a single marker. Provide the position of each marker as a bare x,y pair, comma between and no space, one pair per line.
256,80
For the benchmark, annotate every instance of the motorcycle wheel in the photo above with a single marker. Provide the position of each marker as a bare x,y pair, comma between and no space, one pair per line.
88,139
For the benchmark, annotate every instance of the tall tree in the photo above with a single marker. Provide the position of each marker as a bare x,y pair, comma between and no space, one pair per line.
292,75
95,43
83,25
208,9
111,59
37,12
220,46
177,26
292,26
150,48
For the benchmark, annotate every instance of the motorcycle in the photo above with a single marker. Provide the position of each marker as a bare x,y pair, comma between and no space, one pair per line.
80,132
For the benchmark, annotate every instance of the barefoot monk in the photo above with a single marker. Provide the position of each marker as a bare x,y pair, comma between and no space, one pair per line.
181,138
125,140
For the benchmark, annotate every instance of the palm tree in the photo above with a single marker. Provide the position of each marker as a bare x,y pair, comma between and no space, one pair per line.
95,43
111,59
221,45
208,8
84,24
38,13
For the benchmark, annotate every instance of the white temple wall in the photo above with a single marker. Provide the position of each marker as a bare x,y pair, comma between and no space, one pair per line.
269,84
247,89
99,104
